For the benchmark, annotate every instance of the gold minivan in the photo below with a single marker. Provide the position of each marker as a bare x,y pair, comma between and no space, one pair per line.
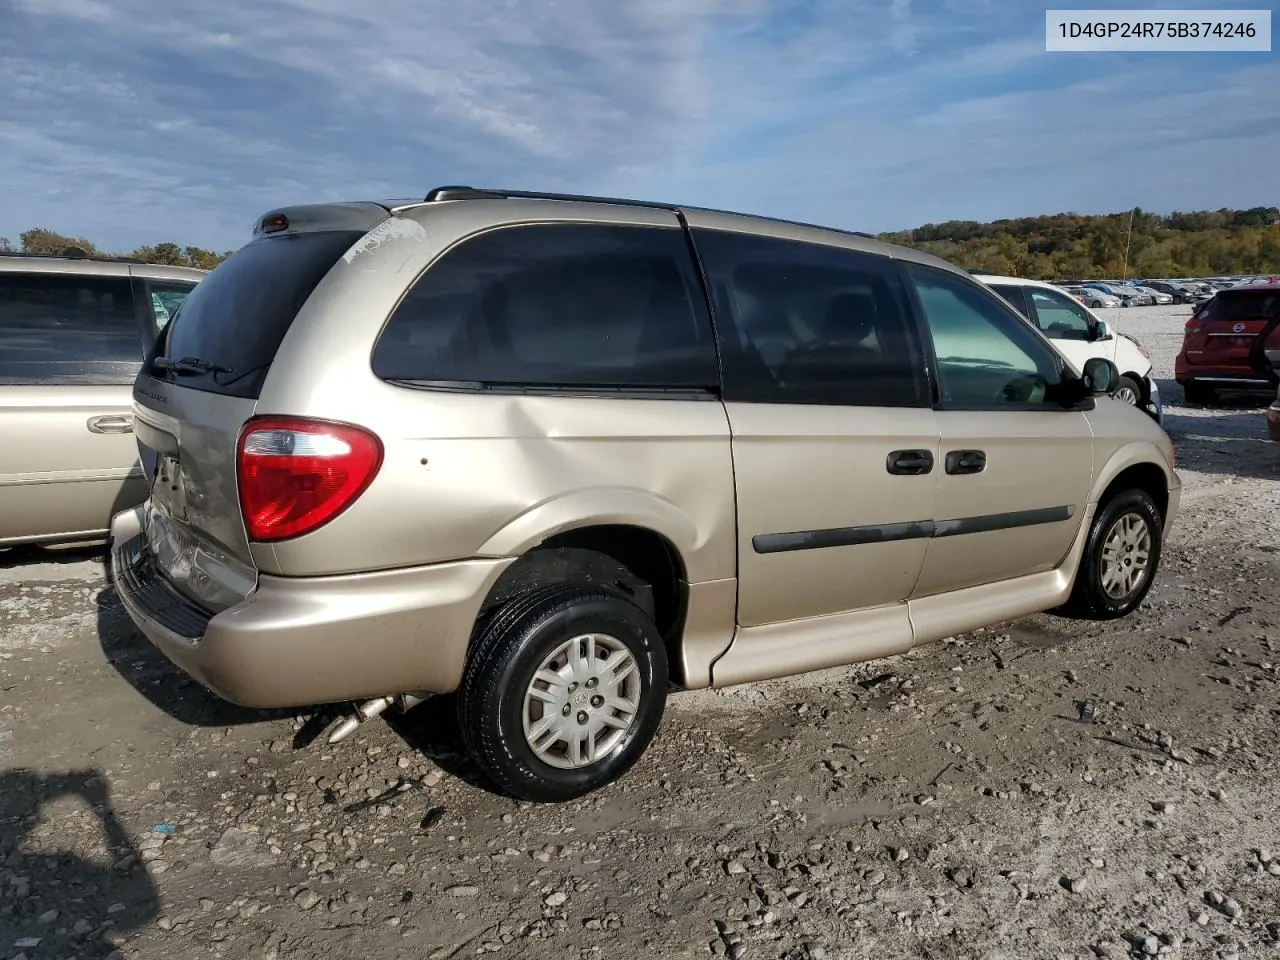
559,455
73,332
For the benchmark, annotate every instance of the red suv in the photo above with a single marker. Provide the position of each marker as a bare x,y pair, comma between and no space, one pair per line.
1219,338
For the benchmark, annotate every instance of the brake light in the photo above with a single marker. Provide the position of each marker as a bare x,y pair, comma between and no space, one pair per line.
295,474
1193,325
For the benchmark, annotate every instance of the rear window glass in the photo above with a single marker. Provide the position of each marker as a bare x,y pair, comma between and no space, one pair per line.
1243,305
238,315
554,306
59,328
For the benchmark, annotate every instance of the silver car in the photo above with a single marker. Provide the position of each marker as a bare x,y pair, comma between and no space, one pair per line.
1094,298
73,332
1156,296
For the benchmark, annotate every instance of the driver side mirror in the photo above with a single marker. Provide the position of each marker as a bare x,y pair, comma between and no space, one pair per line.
1100,376
1101,331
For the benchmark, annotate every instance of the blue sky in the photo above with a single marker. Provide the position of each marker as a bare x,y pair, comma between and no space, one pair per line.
136,121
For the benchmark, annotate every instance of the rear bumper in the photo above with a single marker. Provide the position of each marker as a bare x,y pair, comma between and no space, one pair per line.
1222,377
301,641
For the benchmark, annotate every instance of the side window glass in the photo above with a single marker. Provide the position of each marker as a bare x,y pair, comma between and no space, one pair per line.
810,323
61,328
1058,316
556,305
1015,295
166,298
987,357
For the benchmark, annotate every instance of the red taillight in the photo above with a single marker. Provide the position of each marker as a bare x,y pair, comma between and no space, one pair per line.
296,475
1193,326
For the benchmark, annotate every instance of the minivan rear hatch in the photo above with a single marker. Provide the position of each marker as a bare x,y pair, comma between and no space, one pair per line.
202,382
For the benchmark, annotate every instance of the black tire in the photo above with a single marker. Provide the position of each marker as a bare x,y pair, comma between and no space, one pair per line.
1089,598
1129,383
500,668
1199,394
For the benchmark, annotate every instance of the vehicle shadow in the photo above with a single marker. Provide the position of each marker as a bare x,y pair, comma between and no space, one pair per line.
1172,395
80,899
149,672
432,729
1232,444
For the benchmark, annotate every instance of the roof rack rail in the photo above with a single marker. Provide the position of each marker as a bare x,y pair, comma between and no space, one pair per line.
479,193
476,193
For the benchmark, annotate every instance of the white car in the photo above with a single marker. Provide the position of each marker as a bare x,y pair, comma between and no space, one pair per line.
1079,335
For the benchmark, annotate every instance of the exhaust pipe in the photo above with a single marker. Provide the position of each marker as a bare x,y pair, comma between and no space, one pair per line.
373,708
364,711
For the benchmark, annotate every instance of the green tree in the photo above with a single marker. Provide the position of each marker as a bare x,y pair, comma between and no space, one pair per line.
51,243
204,259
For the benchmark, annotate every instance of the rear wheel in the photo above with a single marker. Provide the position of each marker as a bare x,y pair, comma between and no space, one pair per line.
563,690
1128,390
1198,394
1120,558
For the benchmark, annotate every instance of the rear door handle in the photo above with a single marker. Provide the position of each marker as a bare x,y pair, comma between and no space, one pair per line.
966,461
909,463
111,423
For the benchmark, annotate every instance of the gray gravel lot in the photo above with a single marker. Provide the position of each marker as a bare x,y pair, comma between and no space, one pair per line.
941,804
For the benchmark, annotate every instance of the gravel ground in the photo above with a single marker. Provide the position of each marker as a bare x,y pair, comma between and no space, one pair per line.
945,803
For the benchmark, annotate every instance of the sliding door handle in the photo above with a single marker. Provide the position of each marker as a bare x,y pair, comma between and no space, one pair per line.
909,463
966,461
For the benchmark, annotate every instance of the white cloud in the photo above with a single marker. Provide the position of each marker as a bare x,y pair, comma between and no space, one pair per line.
185,120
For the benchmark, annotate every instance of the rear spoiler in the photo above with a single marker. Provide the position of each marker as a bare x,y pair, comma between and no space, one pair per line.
313,217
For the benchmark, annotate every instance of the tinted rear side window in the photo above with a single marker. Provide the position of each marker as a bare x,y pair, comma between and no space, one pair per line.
57,328
238,315
559,305
1243,305
810,323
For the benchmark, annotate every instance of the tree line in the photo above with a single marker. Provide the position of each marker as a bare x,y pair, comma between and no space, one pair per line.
51,243
1068,246
1063,246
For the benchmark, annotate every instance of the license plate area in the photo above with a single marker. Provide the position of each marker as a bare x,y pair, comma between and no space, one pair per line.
168,491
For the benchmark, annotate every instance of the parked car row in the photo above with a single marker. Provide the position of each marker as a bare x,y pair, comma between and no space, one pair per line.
1138,293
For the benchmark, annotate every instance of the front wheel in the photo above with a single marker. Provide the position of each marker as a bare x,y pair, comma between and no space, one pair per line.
1120,558
1129,391
564,689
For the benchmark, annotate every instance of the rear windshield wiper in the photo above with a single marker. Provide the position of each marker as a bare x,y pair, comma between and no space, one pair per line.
189,366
